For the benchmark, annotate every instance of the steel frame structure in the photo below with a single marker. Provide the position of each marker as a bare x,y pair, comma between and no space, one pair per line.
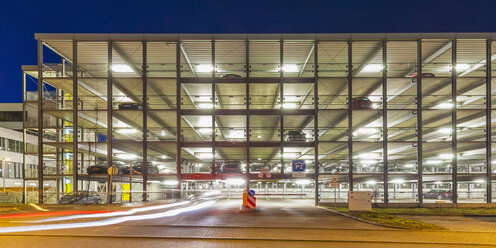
247,111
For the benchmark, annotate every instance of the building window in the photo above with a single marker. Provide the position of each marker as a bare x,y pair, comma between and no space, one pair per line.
11,116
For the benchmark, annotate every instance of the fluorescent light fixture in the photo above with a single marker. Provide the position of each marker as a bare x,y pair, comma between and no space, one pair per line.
409,165
365,130
290,68
289,105
397,181
368,155
204,68
368,161
445,105
303,182
170,182
205,105
480,181
235,181
126,156
235,134
291,155
163,157
127,131
446,156
438,182
308,161
121,68
372,68
445,130
259,159
433,162
205,155
205,130
462,67
371,182
375,106
259,136
162,133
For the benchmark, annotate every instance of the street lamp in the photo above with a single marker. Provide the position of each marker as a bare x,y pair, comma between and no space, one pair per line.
3,171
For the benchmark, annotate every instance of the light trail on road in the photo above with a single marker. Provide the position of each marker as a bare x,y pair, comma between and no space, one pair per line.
113,214
107,222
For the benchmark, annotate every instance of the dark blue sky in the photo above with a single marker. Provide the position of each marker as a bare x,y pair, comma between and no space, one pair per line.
19,20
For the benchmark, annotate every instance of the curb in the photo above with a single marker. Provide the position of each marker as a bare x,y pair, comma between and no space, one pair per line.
363,220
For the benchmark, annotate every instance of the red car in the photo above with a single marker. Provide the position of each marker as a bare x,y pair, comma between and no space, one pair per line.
361,103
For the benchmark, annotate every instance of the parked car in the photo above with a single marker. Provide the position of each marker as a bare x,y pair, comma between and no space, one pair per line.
296,136
230,166
231,75
361,103
138,168
424,75
83,197
130,106
438,194
101,168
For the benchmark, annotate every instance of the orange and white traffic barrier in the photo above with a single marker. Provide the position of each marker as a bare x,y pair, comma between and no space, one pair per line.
251,202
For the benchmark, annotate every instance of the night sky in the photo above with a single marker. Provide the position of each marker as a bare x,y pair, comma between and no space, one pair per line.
19,20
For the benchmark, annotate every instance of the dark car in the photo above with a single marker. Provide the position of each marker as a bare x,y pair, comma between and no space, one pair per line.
361,103
296,136
130,106
424,75
83,197
138,168
230,75
230,166
101,168
438,194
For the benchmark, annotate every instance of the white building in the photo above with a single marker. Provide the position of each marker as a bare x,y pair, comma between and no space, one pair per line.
12,159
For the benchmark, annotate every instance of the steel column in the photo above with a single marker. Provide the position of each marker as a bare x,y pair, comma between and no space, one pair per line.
178,119
247,97
75,124
419,123
316,121
281,103
454,159
109,119
23,173
144,77
40,122
213,113
489,164
384,122
350,123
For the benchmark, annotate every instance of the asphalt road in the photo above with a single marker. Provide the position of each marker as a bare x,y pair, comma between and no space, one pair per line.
279,223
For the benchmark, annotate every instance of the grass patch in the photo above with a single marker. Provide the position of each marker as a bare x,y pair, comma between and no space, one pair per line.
437,211
390,220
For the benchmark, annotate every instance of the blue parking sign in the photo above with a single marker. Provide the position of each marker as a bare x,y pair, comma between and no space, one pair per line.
299,166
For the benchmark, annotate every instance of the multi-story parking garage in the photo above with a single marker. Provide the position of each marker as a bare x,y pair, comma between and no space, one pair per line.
407,116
